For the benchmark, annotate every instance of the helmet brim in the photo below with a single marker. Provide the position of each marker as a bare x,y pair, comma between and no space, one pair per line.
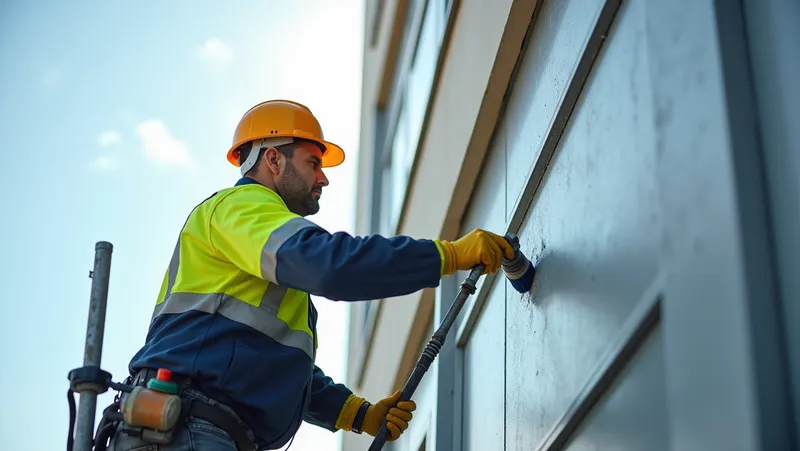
332,155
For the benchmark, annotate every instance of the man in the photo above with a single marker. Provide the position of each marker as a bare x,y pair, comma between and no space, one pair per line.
234,322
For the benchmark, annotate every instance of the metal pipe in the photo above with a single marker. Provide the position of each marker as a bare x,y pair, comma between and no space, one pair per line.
95,328
431,349
518,266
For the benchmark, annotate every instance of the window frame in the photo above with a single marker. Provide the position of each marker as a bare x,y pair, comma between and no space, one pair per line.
396,110
385,121
374,17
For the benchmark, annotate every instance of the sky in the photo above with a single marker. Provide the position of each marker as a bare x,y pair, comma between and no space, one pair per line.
114,122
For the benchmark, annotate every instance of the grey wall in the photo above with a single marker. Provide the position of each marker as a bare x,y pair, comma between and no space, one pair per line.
594,228
580,363
632,416
484,372
773,33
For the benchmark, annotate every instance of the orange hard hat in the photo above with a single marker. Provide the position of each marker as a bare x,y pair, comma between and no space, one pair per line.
281,119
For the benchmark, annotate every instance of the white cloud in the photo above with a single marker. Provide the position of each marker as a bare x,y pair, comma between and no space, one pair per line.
215,51
104,163
108,138
159,145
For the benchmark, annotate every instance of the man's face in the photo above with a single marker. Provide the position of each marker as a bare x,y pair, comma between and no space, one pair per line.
301,180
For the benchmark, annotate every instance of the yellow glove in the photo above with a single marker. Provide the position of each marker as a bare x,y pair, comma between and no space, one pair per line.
397,417
478,246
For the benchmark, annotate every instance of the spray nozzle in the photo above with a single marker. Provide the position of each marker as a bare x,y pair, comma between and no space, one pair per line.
519,270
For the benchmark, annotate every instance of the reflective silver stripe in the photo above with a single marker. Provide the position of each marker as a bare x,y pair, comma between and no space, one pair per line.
269,258
184,302
172,273
273,295
262,318
174,262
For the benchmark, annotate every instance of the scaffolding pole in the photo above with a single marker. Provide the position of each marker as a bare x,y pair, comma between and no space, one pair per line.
95,328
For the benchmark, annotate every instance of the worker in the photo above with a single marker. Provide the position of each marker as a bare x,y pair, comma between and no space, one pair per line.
234,325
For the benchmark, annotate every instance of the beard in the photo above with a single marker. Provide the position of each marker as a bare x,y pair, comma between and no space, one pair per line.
295,192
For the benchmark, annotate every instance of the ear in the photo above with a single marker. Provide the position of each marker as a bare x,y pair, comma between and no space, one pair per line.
272,158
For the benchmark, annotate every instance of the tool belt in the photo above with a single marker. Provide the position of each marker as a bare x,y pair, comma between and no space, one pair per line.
193,407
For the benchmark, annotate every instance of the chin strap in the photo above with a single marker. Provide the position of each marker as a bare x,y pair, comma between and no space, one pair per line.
257,147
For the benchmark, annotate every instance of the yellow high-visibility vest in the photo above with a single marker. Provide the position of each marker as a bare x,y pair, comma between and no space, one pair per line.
234,310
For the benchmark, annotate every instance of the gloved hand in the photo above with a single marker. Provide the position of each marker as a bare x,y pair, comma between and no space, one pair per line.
397,417
478,246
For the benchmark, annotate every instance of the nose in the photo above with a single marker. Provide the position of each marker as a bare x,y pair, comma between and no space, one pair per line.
322,179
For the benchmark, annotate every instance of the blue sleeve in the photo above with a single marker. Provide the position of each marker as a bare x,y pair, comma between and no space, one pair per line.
341,267
327,400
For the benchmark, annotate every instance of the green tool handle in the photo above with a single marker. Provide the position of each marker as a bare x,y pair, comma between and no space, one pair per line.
432,349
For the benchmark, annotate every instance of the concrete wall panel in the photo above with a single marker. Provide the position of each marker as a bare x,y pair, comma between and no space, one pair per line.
557,40
633,416
423,424
484,367
657,172
487,206
593,228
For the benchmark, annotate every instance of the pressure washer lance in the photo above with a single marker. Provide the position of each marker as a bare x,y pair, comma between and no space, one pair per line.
520,272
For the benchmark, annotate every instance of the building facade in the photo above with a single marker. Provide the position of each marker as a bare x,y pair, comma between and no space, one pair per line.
643,152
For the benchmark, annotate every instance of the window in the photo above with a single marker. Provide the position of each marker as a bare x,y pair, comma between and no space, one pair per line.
409,105
423,67
374,17
398,124
398,168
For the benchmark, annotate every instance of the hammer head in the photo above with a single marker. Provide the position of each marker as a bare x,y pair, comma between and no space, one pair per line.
519,270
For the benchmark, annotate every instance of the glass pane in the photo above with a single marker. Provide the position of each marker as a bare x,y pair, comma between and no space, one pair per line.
386,201
414,100
422,71
400,152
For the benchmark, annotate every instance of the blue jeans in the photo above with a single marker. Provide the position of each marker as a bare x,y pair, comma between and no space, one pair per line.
194,435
